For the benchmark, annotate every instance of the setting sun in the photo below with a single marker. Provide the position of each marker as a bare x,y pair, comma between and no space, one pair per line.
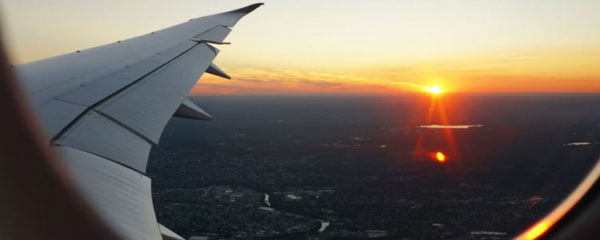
435,89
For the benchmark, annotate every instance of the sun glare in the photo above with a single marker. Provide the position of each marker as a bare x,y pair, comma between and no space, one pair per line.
537,230
440,157
435,89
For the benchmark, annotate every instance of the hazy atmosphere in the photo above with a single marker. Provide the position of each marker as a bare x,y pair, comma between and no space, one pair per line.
347,46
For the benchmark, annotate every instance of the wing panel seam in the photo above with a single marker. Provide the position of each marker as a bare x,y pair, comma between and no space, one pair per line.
104,157
123,126
93,106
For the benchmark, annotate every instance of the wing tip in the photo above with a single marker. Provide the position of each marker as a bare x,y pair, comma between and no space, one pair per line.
247,9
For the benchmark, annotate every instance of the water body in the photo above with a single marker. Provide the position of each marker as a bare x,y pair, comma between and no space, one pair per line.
268,209
579,144
266,200
293,197
324,225
451,126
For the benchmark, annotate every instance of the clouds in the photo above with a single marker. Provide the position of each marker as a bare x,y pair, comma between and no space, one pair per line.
286,81
391,80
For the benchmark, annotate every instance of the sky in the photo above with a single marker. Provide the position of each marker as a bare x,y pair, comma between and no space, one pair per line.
350,46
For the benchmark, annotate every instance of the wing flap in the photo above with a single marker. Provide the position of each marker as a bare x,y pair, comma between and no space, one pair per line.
121,196
146,107
96,134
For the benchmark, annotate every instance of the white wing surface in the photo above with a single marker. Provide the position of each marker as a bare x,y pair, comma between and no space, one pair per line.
103,109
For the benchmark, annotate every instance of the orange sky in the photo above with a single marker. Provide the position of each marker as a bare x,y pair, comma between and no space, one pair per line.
547,71
352,46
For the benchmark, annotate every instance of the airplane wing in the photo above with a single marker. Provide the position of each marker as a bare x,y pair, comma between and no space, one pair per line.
103,108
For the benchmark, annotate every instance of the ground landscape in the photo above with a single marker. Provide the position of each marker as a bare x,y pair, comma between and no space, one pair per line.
355,167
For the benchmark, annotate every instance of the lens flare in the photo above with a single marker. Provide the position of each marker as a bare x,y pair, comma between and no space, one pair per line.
440,157
537,230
